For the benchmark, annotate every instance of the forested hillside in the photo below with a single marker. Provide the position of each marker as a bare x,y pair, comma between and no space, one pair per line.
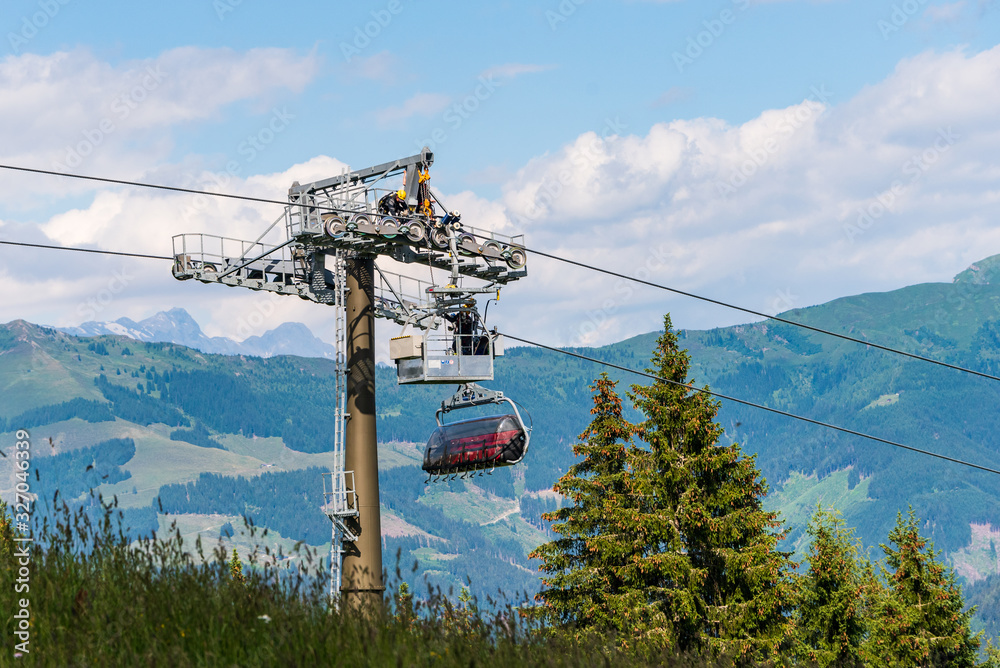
216,437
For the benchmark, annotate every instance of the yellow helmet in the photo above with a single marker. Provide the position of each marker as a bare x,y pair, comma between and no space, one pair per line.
401,194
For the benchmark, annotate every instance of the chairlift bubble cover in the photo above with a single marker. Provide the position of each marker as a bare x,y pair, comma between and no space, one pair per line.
475,444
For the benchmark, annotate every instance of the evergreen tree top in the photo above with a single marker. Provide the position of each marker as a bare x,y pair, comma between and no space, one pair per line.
667,541
920,618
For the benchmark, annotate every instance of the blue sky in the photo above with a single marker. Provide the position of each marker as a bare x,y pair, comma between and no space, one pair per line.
652,109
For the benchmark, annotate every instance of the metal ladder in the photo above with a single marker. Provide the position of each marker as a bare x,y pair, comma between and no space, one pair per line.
340,501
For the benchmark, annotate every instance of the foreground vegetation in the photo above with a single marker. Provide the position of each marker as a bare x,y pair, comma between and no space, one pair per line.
667,544
664,556
98,599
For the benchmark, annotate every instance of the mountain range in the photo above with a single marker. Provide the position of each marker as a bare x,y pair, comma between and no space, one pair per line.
177,326
219,436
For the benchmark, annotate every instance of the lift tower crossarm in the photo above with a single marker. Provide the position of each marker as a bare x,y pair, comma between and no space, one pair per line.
422,160
334,229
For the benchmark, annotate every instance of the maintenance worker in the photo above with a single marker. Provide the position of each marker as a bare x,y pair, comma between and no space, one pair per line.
393,204
464,323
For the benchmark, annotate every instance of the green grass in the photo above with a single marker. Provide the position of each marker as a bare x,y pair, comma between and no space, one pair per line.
473,505
797,498
246,540
96,600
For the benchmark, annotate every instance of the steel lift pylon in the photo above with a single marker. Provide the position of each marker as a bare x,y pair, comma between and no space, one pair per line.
333,231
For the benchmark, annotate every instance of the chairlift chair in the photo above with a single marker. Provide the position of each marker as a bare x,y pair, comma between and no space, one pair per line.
477,444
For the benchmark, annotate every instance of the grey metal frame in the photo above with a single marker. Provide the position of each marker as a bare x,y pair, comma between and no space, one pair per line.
467,396
325,223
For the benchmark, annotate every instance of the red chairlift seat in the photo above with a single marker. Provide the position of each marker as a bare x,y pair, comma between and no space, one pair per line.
475,445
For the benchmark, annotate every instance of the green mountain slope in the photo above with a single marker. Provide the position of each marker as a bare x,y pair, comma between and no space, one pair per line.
273,416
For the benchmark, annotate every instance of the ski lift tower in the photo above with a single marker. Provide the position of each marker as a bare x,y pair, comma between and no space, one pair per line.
334,230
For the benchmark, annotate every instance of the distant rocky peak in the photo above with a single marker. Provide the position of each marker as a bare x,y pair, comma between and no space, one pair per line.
177,326
984,272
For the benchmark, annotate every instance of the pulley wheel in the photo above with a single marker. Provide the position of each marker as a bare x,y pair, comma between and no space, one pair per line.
416,232
334,226
466,243
388,227
493,245
517,258
439,237
179,272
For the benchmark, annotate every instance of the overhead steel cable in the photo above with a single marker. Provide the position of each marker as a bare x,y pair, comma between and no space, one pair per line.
584,265
818,330
156,186
751,404
719,395
86,250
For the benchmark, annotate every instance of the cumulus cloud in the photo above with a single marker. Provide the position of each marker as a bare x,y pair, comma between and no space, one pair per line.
797,206
71,110
828,197
421,104
144,220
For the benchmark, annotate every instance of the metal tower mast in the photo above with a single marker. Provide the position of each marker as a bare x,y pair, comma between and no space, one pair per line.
335,228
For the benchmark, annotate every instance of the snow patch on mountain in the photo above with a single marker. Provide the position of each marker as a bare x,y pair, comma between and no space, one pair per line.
177,326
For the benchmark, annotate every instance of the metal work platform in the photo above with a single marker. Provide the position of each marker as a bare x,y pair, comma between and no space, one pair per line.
349,219
431,358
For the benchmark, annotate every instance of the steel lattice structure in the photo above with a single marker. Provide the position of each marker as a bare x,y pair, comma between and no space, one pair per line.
331,223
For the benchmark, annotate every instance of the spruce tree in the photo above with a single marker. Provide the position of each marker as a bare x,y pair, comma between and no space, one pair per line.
236,569
702,569
578,565
919,621
833,595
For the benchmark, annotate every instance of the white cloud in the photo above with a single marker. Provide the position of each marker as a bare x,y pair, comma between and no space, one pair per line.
512,70
73,110
785,204
143,221
421,104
